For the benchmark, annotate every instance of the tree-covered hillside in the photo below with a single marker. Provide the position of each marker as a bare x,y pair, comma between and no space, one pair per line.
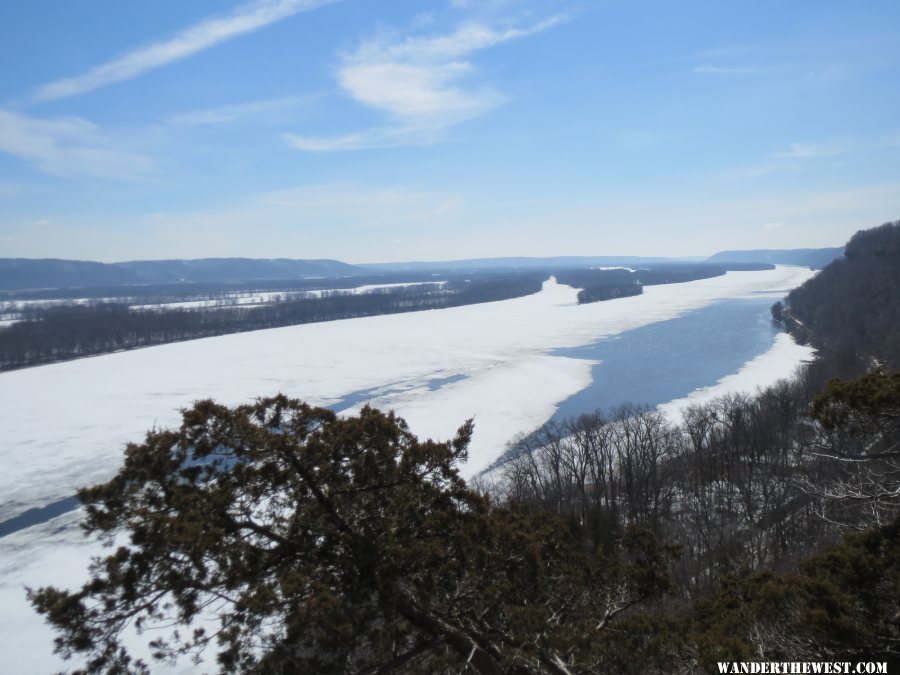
851,309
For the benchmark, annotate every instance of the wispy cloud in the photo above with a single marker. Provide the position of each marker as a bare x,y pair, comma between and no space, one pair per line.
757,170
419,79
418,94
199,37
797,155
468,38
638,139
842,146
67,146
707,69
422,83
376,137
807,150
373,138
237,112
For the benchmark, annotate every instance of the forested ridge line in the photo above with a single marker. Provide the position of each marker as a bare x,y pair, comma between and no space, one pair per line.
850,311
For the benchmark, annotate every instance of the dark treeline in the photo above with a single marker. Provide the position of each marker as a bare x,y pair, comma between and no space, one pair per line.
607,284
738,484
753,495
850,310
185,291
679,273
608,292
596,285
61,333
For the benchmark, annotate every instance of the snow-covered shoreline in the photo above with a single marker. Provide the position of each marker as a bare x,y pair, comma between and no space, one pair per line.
778,363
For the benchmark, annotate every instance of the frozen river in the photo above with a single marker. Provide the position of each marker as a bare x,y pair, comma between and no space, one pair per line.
511,365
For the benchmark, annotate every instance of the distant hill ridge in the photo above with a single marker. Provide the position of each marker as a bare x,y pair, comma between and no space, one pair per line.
26,273
816,258
518,263
807,257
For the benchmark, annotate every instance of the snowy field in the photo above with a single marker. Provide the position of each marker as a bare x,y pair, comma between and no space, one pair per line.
65,424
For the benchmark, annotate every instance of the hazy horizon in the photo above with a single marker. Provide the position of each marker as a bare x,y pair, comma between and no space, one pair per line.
364,263
379,132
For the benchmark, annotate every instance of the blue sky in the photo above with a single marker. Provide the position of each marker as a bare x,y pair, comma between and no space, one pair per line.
387,130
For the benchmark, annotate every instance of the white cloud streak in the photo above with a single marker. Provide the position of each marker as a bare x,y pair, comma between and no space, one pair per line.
374,138
67,146
799,155
237,112
468,38
424,94
199,37
807,150
419,82
707,69
833,148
